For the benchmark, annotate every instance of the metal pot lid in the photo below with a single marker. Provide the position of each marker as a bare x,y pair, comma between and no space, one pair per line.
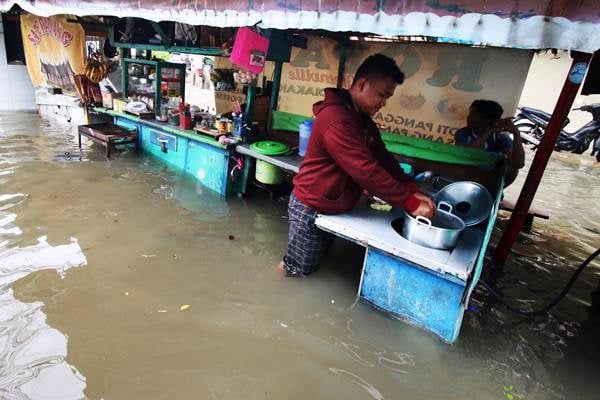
270,148
470,201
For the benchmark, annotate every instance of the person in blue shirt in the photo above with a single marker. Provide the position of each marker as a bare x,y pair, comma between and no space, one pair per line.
487,130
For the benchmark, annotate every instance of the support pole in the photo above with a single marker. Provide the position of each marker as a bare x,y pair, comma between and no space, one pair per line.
275,92
250,97
542,155
342,65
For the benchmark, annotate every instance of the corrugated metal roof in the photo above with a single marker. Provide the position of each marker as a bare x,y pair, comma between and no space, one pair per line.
533,24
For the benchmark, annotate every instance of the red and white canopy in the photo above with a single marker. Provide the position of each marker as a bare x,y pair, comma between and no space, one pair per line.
532,24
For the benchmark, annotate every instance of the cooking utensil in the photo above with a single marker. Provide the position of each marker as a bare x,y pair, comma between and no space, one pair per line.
441,232
470,201
424,176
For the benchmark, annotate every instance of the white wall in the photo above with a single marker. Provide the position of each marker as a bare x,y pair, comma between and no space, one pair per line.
16,90
546,77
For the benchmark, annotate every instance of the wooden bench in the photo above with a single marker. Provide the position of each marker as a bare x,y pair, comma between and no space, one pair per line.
509,205
108,135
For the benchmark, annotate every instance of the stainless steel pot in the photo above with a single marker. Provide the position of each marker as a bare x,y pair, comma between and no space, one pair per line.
441,232
470,201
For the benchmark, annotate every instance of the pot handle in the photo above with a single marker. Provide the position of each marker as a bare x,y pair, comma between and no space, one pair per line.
422,220
443,203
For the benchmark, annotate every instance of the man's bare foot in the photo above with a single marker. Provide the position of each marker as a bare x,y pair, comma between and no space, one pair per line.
280,270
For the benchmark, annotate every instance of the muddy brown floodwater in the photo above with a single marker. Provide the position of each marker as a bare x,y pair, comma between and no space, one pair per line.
99,259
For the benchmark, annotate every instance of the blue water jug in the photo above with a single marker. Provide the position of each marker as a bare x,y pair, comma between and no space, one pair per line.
305,130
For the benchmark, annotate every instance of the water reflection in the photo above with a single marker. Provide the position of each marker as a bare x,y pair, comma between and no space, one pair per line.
34,353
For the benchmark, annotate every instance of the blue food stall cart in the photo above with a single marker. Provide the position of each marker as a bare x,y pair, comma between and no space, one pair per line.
427,287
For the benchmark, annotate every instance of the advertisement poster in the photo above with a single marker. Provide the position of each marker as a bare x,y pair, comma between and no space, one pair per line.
442,80
54,51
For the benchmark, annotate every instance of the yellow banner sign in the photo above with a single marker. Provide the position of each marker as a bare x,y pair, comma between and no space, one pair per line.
442,81
54,50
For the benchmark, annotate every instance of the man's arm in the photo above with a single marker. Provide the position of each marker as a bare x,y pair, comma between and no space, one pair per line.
391,165
461,138
347,147
516,152
517,157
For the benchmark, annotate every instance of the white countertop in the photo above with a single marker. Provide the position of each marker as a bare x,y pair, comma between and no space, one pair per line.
288,163
371,228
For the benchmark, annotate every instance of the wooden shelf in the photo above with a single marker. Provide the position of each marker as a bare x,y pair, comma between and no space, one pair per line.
210,132
205,51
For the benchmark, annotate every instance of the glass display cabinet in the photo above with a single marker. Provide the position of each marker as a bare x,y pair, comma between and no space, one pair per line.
152,82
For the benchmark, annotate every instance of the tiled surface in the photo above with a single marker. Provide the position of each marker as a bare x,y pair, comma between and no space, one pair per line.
16,90
2,49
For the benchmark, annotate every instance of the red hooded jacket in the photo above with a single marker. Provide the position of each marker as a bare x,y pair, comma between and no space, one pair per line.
345,155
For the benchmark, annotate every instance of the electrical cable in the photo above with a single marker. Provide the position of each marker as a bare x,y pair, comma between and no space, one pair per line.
554,302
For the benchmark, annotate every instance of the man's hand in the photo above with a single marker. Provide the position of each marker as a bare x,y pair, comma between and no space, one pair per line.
516,155
426,208
505,125
479,143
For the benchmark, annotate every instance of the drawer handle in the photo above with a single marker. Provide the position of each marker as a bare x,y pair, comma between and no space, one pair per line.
163,144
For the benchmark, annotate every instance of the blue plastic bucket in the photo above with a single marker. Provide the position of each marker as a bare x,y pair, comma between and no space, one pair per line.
305,130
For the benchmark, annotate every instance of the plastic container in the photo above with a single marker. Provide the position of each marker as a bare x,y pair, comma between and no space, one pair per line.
238,123
305,131
185,120
268,173
173,119
118,105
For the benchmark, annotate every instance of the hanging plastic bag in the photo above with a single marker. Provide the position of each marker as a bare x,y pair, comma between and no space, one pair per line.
249,50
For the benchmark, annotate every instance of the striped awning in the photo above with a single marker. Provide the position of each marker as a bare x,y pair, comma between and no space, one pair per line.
531,24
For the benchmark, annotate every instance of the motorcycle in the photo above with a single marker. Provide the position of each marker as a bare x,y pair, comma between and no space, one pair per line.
596,149
532,124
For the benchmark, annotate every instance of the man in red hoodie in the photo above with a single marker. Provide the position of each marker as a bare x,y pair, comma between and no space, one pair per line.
345,156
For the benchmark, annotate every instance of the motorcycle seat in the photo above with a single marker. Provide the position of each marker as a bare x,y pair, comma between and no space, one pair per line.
541,117
536,112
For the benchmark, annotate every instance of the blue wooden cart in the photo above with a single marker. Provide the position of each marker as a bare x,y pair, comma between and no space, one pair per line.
426,287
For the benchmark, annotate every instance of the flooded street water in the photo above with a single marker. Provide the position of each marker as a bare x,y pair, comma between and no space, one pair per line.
99,259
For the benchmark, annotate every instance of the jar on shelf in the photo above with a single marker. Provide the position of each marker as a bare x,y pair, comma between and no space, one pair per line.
164,113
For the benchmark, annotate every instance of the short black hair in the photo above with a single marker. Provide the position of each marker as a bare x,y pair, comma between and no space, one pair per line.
379,66
489,109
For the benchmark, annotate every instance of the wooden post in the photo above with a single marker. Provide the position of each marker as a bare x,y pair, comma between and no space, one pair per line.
274,92
342,65
542,155
250,97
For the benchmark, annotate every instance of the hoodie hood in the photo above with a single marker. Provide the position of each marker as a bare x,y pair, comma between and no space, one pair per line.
333,97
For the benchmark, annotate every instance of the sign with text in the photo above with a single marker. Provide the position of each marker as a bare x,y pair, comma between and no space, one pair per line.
54,50
441,82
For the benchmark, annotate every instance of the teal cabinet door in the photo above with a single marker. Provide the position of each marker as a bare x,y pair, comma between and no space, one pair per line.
166,146
208,165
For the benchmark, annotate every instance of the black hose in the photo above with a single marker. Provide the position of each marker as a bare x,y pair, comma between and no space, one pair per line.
554,302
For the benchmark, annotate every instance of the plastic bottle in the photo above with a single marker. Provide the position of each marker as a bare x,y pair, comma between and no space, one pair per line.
305,131
238,123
